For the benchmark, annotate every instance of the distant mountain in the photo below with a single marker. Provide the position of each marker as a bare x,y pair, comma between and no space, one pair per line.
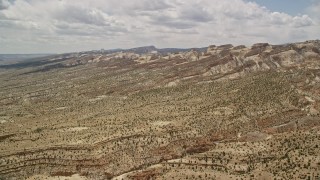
177,50
142,50
146,50
149,49
18,57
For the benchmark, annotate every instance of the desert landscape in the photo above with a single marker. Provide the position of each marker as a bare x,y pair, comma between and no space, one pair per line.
219,112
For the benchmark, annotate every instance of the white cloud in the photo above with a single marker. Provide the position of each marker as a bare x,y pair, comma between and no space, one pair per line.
314,10
72,25
4,4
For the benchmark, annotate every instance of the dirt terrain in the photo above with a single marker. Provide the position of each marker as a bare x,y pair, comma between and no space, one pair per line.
224,112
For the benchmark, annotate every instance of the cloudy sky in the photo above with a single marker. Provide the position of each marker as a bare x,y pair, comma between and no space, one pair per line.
56,26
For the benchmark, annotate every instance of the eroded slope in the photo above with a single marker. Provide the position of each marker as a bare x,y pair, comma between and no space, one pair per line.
160,115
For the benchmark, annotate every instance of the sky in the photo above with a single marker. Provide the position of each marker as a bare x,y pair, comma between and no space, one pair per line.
58,26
